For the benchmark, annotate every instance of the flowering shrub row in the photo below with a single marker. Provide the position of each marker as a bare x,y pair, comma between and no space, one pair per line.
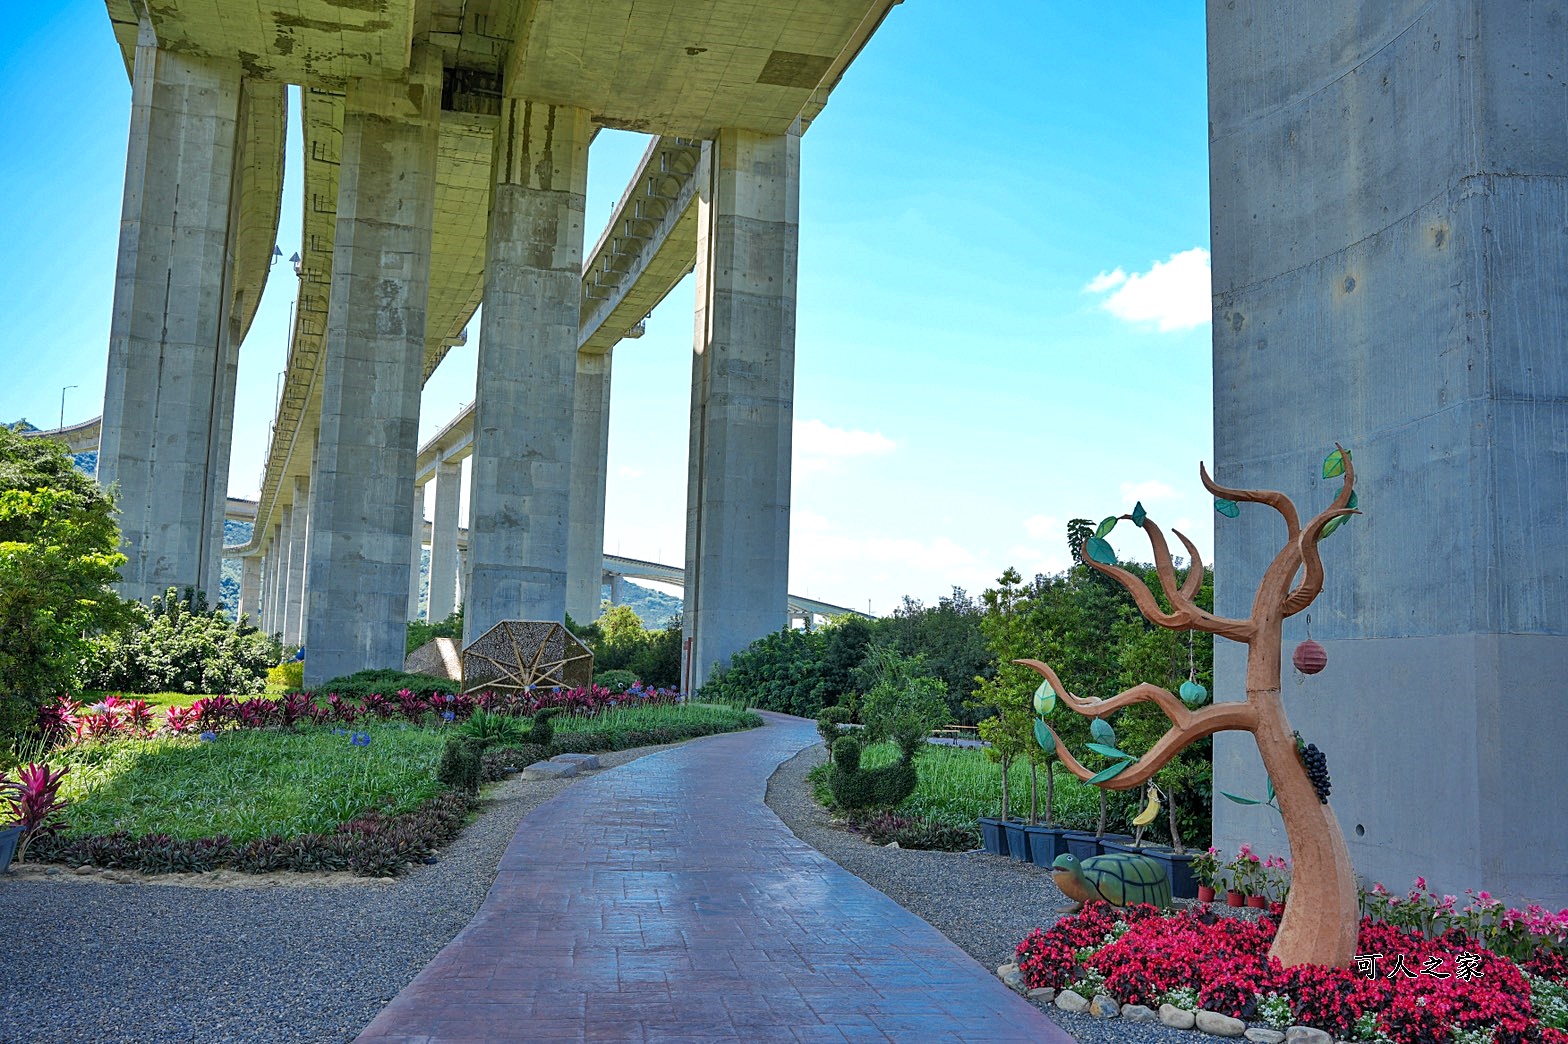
1419,990
374,845
67,720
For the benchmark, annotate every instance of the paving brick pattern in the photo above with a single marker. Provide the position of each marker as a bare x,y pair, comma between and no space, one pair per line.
662,900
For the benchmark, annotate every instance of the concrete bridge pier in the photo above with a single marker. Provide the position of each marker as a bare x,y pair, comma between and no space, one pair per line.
590,466
416,559
272,600
168,338
299,554
1389,190
250,589
443,541
743,376
372,368
522,459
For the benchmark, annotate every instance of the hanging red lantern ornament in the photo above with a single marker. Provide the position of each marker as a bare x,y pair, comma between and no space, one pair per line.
1309,657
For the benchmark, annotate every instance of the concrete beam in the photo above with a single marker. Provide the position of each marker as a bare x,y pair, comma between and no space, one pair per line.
1389,185
743,386
520,482
168,337
372,373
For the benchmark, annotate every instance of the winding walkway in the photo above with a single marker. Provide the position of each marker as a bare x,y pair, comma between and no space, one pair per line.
662,900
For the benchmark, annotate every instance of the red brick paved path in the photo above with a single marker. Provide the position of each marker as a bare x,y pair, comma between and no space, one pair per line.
662,900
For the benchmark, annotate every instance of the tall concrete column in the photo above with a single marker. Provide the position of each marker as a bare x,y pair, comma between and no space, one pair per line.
443,541
743,375
590,465
277,559
371,374
299,556
521,477
288,593
416,560
617,589
1389,190
168,334
250,589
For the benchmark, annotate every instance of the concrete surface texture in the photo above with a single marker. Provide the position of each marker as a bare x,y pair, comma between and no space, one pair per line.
743,374
662,900
521,470
590,473
443,542
168,336
1389,260
357,589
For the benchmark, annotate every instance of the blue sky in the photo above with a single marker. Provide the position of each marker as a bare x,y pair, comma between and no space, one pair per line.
1002,320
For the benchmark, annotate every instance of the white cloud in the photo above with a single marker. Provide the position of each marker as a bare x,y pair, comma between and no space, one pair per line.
1149,492
1106,281
630,473
817,446
1174,293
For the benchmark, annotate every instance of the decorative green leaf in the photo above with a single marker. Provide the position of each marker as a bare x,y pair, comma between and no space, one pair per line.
1271,791
1101,730
1193,694
1228,508
1138,514
1101,552
1108,751
1109,773
1044,736
1354,501
1330,526
1044,699
1241,800
1106,525
1334,463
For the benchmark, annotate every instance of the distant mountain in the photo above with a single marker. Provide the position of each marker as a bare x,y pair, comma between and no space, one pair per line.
654,608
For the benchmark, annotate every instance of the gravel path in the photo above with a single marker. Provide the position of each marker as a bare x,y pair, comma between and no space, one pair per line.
986,904
109,957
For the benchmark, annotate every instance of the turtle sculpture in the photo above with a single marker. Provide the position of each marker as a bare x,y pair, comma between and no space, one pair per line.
1120,878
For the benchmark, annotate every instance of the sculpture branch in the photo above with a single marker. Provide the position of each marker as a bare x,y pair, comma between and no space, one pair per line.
1307,543
1186,616
1187,726
1273,498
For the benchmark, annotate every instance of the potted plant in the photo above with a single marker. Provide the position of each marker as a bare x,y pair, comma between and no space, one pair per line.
1176,860
1245,873
1205,868
29,807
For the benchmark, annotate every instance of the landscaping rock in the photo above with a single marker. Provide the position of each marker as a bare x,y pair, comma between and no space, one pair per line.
893,844
585,762
550,770
1068,1000
1265,1036
1176,1018
1220,1025
1307,1035
1044,994
1014,978
1103,1007
1138,1013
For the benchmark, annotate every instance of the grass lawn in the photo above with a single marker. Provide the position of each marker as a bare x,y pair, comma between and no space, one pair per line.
957,785
254,783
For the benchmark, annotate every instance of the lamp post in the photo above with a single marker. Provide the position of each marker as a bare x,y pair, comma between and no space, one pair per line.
67,388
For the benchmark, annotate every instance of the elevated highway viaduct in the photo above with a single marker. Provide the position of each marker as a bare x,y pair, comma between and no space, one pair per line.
445,160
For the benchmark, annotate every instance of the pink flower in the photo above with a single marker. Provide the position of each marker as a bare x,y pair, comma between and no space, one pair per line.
1421,883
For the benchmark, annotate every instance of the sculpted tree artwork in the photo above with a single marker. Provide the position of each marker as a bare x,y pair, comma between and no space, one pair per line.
1320,921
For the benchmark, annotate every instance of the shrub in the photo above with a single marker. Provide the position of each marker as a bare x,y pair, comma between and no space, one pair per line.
385,682
830,725
59,551
289,676
854,787
34,804
460,764
903,702
421,633
881,828
617,680
178,644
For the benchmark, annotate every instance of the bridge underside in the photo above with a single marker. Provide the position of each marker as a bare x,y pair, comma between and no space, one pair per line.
445,160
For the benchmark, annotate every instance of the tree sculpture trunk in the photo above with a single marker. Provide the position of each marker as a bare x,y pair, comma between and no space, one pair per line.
1321,919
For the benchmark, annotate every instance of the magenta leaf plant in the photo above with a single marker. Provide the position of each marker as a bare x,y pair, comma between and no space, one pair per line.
32,801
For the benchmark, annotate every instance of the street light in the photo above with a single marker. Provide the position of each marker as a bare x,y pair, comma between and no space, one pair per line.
67,388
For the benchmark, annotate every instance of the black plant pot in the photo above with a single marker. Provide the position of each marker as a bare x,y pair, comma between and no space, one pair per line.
1081,844
1178,866
993,837
8,841
1017,839
1045,844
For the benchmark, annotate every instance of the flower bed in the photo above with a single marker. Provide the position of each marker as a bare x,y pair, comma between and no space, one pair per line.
114,717
1407,988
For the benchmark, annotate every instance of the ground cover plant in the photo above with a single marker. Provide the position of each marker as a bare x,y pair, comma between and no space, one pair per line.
336,786
1452,981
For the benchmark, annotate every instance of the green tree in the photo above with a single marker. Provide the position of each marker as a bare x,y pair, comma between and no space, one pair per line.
180,645
903,703
59,552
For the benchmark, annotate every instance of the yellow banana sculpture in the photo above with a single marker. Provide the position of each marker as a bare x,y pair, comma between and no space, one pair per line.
1152,809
